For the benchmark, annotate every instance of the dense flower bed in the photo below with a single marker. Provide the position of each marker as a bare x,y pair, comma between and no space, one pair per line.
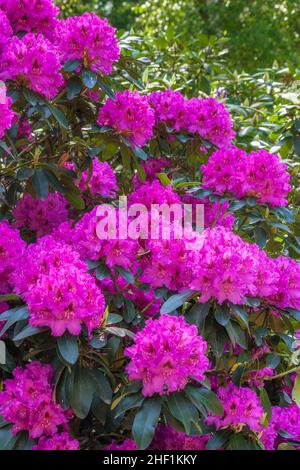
198,332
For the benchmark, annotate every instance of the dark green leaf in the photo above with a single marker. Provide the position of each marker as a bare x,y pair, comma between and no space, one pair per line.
175,301
260,236
222,314
27,332
128,276
25,173
128,403
102,386
40,183
82,394
71,65
68,347
89,78
182,409
129,310
145,422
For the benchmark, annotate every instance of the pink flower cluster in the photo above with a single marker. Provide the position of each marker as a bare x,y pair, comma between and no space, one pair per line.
130,115
165,354
215,213
224,268
101,181
5,30
31,15
32,62
165,438
90,39
286,419
210,119
114,250
170,108
204,116
228,268
61,441
257,377
11,252
41,216
60,294
27,402
260,175
286,292
241,406
6,113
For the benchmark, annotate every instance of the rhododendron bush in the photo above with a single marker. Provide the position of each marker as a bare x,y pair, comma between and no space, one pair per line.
186,342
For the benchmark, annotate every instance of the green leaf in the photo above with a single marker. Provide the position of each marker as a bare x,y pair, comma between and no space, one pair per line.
237,375
296,391
182,409
218,440
40,183
197,314
205,85
74,87
175,301
241,313
238,442
140,153
7,439
24,173
71,65
102,386
75,200
207,398
222,314
89,78
260,236
68,347
27,332
107,90
129,310
128,276
59,116
145,422
13,316
266,404
102,272
128,403
82,394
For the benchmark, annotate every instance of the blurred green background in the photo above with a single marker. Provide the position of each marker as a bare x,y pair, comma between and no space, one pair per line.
256,32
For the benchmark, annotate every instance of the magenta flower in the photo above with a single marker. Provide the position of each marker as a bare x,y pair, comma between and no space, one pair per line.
101,181
242,407
169,108
7,115
31,15
27,401
61,441
64,299
130,115
5,30
210,119
260,175
286,419
90,39
166,353
32,62
41,216
11,251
